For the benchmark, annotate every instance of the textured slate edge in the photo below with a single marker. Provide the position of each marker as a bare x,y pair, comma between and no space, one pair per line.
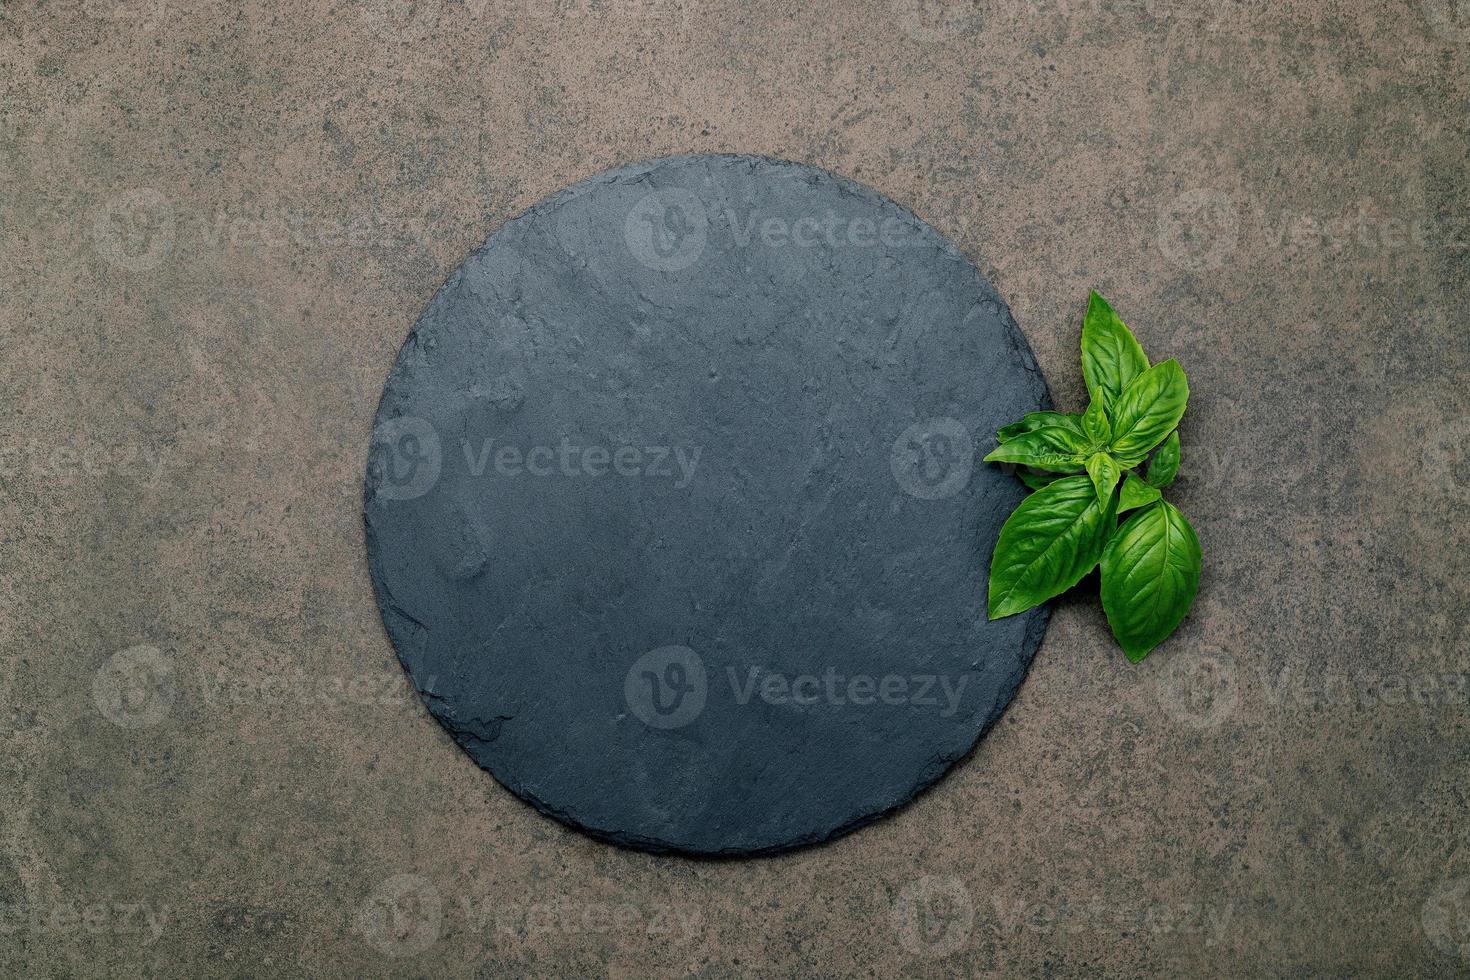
1035,631
464,734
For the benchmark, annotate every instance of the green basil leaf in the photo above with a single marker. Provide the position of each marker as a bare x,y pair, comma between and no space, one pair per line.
1135,494
1150,574
1149,409
1095,425
1105,475
1165,465
1048,448
1037,480
1053,539
1037,420
1111,358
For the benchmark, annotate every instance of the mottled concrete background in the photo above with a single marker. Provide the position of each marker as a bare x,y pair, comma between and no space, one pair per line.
217,225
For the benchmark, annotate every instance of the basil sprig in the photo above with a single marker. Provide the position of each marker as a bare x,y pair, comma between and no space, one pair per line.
1082,469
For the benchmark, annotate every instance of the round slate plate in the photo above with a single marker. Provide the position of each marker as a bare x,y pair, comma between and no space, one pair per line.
673,507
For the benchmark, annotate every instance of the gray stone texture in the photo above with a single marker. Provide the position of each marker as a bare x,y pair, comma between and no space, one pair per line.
217,226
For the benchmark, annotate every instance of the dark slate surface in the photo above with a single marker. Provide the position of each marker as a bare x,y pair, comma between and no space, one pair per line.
672,510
